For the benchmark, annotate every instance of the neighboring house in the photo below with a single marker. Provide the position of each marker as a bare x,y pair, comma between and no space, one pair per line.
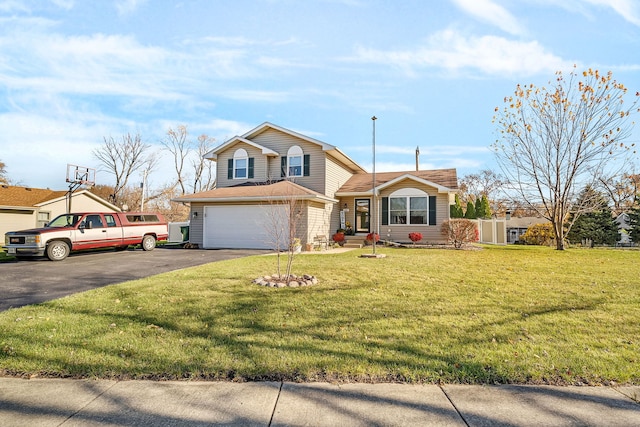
23,207
517,226
624,225
268,165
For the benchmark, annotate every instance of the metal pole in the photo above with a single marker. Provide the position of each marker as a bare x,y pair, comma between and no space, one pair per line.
373,189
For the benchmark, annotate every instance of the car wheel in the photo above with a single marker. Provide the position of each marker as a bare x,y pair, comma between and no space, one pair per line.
148,243
57,250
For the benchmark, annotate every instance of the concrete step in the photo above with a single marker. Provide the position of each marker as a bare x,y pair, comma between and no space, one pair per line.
353,245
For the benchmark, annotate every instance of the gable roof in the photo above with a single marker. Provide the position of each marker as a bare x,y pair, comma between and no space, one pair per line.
255,192
26,197
327,148
11,196
445,180
213,154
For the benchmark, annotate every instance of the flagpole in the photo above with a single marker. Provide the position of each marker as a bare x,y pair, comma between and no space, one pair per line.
373,218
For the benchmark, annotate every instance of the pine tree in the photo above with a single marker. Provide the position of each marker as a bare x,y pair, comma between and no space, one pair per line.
471,210
478,207
485,209
455,210
634,221
598,226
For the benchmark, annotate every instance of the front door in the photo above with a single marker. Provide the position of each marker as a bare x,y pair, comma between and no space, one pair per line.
362,215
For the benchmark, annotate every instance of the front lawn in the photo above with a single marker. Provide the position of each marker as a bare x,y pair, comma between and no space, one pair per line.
501,314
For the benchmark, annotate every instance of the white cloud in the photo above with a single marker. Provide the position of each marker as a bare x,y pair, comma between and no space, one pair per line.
127,7
628,9
452,52
493,13
64,4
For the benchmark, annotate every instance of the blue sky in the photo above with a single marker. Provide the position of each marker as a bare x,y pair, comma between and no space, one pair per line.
73,72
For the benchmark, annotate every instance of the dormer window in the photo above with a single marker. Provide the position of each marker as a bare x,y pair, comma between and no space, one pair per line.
294,156
295,164
240,158
241,165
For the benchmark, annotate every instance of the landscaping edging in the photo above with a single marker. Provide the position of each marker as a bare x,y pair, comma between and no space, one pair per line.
292,281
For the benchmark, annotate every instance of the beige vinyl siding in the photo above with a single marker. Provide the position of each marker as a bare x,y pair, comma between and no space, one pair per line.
260,172
430,233
79,203
281,142
196,226
318,221
336,176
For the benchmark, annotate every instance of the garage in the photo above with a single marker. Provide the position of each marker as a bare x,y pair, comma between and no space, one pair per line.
244,226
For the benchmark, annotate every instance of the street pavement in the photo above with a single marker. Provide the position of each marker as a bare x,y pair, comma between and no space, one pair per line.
64,402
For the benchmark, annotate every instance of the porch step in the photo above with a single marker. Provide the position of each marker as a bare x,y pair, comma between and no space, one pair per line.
354,241
352,245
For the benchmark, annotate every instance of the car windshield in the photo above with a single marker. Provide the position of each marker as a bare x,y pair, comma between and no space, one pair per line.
68,220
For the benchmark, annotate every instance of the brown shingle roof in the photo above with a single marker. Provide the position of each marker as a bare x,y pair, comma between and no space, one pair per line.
361,183
25,196
263,191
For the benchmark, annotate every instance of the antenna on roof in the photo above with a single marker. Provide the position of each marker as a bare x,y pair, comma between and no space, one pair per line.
417,156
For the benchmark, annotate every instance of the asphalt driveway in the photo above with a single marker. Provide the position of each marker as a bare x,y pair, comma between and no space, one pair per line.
37,280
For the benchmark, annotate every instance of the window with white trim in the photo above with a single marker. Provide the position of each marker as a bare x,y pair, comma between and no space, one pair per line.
240,164
409,206
294,161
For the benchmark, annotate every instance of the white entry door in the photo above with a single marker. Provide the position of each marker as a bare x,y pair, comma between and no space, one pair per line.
245,226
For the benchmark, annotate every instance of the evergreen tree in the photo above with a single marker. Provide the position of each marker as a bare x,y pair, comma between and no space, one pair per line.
634,221
455,210
471,210
598,226
478,207
485,209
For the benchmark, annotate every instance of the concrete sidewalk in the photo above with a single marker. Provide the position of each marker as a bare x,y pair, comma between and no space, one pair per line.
56,402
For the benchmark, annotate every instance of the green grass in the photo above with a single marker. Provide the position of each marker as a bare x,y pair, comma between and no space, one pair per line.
498,315
4,257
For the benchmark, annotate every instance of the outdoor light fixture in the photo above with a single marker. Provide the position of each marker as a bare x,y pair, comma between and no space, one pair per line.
195,214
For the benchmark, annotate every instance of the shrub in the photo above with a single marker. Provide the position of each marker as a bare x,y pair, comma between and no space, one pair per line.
415,237
371,236
539,234
338,237
460,231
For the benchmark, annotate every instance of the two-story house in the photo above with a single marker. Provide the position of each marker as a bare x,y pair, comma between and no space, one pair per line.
262,170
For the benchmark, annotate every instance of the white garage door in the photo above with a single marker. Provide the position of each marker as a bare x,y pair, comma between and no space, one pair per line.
244,226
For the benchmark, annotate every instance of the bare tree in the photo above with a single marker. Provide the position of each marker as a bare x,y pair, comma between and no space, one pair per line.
178,145
3,173
622,191
121,159
485,183
204,174
283,222
557,140
177,142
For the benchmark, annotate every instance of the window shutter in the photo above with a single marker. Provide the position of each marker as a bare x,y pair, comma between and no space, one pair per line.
432,210
385,211
250,172
306,168
283,166
230,169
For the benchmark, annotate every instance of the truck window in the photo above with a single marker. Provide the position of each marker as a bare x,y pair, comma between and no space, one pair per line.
94,220
111,221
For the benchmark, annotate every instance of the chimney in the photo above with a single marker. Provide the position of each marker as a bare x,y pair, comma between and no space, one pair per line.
417,156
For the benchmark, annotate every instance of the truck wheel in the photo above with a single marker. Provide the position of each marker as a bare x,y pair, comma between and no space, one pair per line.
57,250
148,243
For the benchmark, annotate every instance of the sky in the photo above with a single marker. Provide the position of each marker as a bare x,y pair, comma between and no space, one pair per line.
75,72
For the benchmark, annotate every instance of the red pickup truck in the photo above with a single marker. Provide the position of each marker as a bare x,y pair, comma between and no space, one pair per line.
88,230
